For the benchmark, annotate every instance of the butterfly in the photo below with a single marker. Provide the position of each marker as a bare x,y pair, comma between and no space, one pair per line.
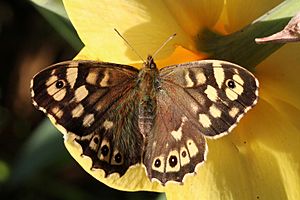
121,116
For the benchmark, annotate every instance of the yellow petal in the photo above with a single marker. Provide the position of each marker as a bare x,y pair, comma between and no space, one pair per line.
135,178
279,75
146,25
193,15
238,14
258,160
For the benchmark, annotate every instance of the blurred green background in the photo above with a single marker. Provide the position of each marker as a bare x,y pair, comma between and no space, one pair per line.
34,163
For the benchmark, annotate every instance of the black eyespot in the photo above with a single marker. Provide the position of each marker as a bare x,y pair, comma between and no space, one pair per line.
59,84
104,150
96,140
231,84
118,158
183,154
173,161
157,163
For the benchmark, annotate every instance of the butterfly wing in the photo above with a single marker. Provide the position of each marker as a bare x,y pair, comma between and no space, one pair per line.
90,99
174,146
214,94
197,99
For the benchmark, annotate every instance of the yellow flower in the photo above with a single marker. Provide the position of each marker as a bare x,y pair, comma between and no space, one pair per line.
260,159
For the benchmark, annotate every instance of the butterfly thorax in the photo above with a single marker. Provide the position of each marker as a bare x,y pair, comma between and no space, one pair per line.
147,85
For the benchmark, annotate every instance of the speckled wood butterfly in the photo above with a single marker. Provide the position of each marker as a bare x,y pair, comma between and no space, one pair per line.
121,116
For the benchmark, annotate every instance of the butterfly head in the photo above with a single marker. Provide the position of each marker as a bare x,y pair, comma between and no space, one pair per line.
150,64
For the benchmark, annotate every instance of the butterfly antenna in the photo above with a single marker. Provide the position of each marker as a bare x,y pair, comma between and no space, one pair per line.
164,44
129,45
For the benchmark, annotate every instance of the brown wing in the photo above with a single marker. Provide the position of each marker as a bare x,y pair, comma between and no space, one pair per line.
197,99
214,94
90,99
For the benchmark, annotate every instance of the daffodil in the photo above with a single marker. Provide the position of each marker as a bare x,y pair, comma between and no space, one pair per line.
260,159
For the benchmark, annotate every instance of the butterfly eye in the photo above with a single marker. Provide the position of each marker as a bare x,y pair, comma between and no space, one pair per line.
59,84
231,84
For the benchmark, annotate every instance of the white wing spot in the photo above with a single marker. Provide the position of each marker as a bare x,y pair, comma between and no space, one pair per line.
238,79
219,76
214,111
189,81
204,120
94,145
184,156
59,95
233,112
92,77
200,77
71,76
57,112
77,111
211,93
158,164
192,148
231,94
177,135
108,124
81,93
104,81
88,120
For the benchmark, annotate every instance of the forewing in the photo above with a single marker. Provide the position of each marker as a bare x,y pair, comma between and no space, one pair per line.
90,99
213,94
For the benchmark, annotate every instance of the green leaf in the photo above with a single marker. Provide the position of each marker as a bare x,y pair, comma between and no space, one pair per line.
240,47
53,11
42,149
4,171
55,6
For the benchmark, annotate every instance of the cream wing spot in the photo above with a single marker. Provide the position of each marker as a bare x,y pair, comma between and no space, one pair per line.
104,81
60,95
57,93
173,164
94,143
158,164
81,93
238,79
184,157
211,93
231,94
108,124
233,112
200,77
189,81
177,135
104,151
51,80
88,120
204,120
57,112
219,76
71,76
214,111
192,148
77,111
92,77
